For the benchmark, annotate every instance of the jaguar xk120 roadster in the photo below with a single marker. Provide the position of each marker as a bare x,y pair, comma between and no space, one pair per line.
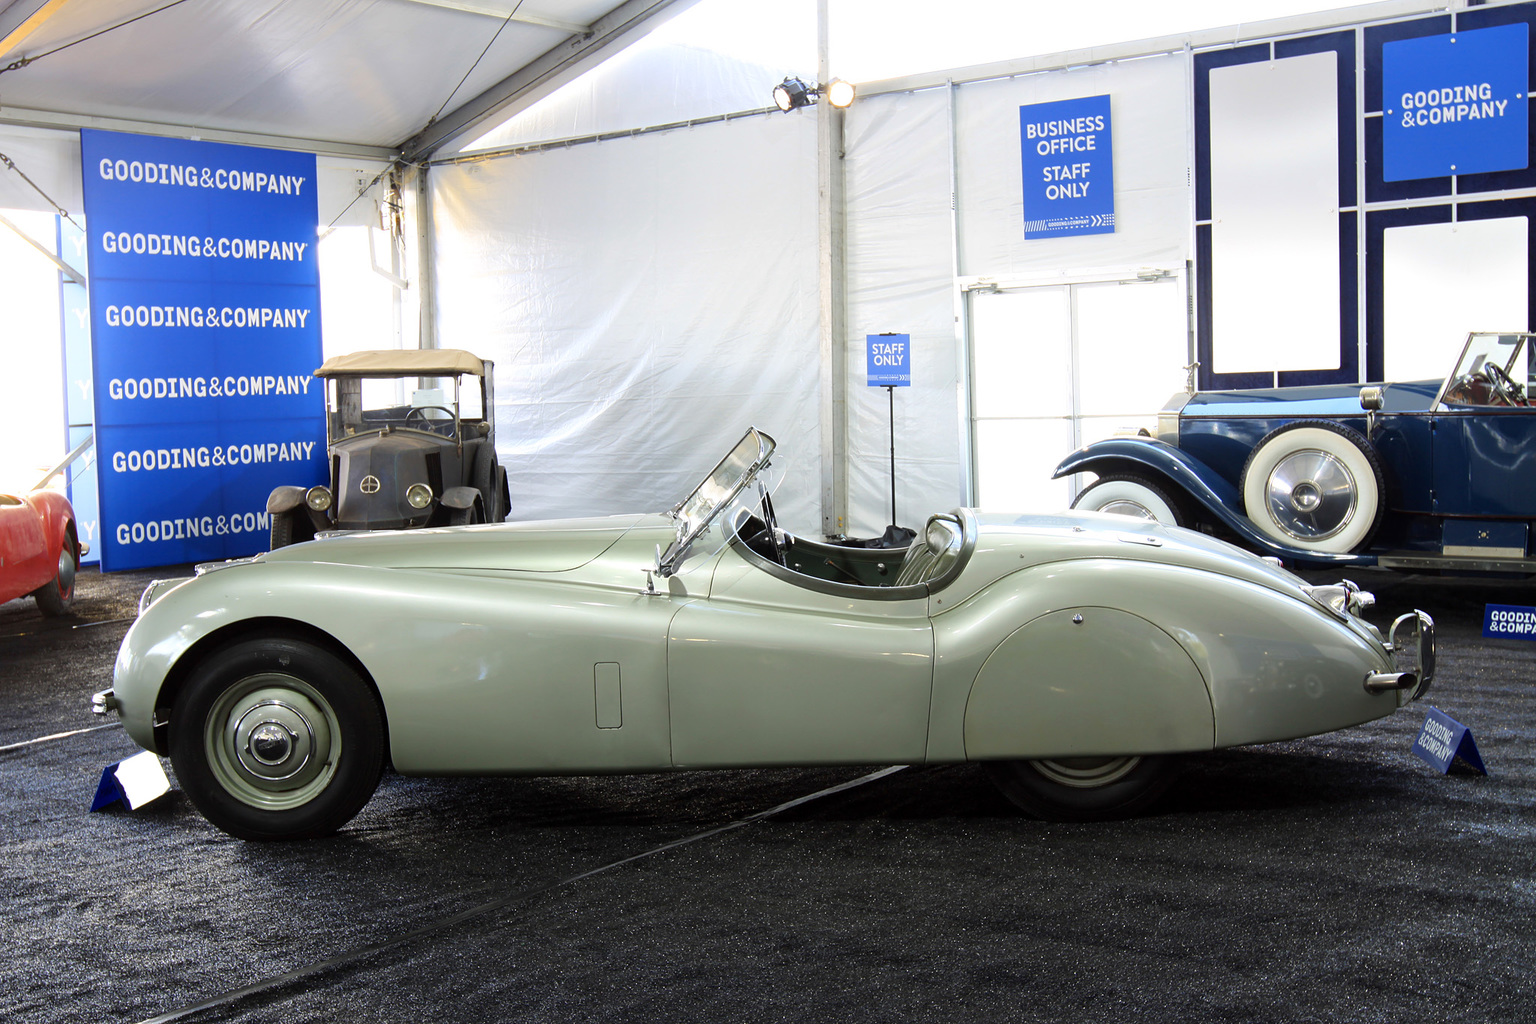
1072,654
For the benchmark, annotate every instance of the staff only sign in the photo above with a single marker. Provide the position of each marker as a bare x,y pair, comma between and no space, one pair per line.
1455,104
205,331
1069,168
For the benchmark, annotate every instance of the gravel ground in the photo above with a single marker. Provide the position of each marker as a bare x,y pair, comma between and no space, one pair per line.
1331,879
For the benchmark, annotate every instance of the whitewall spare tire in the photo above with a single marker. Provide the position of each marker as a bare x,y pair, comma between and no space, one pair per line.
1314,484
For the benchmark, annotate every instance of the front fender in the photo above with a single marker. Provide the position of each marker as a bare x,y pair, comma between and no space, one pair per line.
1213,492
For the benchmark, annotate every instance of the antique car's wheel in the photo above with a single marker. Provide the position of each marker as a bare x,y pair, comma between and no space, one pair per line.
1083,788
290,527
54,596
1314,484
277,739
1130,494
466,516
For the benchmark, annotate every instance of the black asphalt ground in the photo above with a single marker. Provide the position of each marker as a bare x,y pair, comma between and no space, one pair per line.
1331,879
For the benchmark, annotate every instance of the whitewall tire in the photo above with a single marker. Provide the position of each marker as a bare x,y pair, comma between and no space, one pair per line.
1130,495
1314,484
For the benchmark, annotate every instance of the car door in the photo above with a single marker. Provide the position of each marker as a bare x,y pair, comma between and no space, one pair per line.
1485,461
768,672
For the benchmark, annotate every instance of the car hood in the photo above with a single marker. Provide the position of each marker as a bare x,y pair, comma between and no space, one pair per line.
546,546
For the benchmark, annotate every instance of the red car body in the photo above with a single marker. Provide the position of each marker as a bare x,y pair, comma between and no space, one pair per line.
39,549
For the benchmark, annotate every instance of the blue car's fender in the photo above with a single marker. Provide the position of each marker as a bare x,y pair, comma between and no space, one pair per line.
1215,495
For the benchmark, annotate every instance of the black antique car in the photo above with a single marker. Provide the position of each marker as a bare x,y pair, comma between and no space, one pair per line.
1419,475
399,462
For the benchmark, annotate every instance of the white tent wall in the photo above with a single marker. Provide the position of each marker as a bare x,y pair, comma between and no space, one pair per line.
900,267
901,244
645,300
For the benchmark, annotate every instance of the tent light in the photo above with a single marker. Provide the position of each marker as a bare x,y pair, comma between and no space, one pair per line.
839,93
792,93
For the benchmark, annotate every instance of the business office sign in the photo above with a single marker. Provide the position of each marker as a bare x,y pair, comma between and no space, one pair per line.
205,332
1069,168
1456,104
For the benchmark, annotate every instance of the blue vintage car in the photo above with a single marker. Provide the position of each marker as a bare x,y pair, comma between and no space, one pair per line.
1420,475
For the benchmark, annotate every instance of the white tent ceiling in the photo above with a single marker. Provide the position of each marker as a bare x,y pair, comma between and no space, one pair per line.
369,77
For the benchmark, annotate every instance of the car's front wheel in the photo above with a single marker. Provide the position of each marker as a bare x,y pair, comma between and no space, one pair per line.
275,738
1083,788
54,596
1128,494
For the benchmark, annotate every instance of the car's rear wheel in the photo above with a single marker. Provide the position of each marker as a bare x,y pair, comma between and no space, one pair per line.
1083,788
53,597
1314,484
1130,494
275,738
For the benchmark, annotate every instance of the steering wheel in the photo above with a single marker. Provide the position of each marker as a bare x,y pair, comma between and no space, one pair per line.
771,523
1502,384
416,410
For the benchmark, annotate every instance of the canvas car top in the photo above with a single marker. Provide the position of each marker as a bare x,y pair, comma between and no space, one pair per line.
424,362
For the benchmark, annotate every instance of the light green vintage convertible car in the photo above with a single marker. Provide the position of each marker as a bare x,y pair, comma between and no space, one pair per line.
1071,654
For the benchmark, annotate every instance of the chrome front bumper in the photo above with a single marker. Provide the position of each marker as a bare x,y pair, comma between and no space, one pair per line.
104,702
1413,656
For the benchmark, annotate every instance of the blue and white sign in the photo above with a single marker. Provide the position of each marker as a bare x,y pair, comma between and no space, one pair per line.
205,332
1509,621
889,360
1443,739
1069,168
1455,104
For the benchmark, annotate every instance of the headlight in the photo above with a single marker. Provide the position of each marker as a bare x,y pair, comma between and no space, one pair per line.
155,591
318,497
1344,598
419,495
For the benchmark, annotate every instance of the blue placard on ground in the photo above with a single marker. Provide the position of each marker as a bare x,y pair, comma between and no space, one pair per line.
133,782
1443,739
889,360
1069,168
205,333
1509,621
1455,104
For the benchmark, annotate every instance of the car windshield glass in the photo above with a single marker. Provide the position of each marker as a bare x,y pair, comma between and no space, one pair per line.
359,405
730,477
1494,369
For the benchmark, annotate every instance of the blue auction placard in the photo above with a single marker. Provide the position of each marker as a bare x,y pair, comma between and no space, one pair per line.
888,360
205,332
1455,104
1069,168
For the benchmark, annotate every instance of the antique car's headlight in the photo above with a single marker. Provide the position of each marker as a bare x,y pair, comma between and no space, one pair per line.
318,497
419,495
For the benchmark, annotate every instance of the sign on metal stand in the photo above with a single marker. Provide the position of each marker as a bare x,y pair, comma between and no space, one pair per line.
889,366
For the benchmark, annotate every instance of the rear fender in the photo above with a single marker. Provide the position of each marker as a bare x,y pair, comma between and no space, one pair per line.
1213,493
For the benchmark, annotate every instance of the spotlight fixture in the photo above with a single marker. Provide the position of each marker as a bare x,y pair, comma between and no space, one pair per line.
792,93
839,93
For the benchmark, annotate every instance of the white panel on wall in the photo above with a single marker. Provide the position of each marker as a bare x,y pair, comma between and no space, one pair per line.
645,300
1442,281
1149,109
1274,210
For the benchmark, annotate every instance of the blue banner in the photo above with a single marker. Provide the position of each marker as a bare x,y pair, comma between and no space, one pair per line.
1455,104
205,332
1069,168
888,360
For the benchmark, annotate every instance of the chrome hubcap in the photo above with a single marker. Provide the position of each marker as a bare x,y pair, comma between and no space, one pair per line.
1311,495
1126,507
273,741
1086,772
